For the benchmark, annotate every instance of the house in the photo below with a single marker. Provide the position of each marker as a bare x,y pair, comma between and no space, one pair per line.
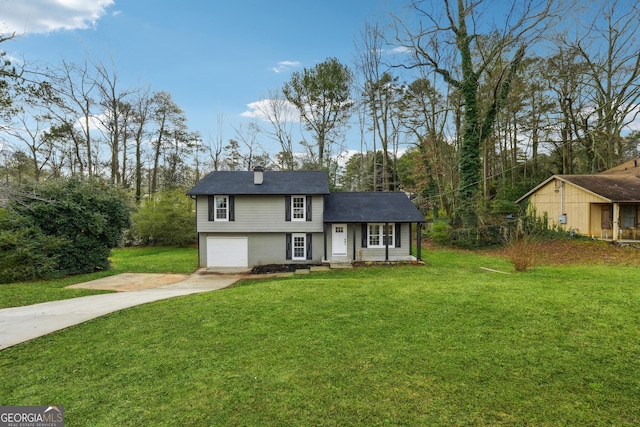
251,218
603,206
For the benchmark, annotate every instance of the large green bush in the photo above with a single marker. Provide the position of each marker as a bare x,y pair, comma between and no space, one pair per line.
166,219
61,227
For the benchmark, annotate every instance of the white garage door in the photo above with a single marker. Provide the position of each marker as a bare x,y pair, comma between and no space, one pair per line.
227,252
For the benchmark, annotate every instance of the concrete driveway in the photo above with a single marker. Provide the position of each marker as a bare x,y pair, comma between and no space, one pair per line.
20,324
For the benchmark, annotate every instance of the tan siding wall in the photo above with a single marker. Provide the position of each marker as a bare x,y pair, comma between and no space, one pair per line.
260,214
577,206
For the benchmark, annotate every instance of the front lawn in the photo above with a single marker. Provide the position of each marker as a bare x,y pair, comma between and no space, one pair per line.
126,260
445,344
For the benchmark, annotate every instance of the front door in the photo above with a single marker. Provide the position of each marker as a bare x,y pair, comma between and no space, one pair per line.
339,240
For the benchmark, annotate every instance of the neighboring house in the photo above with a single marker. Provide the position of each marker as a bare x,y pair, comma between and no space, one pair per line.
246,219
603,206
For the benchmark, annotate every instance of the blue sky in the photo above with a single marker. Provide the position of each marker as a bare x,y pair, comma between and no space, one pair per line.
214,57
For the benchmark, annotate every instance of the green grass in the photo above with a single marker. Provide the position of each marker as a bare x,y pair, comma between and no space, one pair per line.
445,344
127,260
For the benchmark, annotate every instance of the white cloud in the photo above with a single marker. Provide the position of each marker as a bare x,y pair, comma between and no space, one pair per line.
400,50
285,66
285,110
45,16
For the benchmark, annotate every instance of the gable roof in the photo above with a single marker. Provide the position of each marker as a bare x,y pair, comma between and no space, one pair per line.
274,183
615,188
370,207
618,185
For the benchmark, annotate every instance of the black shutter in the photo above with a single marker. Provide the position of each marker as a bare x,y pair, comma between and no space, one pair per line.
398,235
364,236
288,248
309,246
287,208
308,208
232,208
212,209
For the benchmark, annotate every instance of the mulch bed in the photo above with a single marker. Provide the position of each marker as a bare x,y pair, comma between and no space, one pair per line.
279,268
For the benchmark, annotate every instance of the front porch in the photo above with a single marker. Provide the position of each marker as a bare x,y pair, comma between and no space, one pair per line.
373,261
616,222
372,243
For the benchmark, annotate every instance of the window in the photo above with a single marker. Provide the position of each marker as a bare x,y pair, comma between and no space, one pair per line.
628,216
606,217
298,208
380,234
299,247
222,208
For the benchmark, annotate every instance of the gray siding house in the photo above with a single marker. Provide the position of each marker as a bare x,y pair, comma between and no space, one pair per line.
251,218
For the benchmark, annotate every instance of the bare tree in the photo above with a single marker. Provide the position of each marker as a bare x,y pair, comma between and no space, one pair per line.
455,39
114,118
610,50
279,112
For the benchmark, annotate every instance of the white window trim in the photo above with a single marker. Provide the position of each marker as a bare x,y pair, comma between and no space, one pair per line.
392,242
293,246
215,207
304,208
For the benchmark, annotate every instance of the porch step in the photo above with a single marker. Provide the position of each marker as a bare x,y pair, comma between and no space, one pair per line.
338,265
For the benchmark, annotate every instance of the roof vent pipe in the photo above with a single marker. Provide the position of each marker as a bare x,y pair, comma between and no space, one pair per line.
258,176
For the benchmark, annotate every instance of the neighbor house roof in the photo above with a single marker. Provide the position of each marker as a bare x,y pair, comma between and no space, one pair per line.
618,185
370,207
274,183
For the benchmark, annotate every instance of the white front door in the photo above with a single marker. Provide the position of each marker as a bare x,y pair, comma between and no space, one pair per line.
339,240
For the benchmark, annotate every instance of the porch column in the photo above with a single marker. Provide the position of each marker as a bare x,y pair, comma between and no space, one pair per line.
419,242
324,236
616,221
386,243
354,241
410,237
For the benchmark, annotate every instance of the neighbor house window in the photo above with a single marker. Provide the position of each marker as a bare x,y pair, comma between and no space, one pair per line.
628,216
222,208
380,234
298,208
606,217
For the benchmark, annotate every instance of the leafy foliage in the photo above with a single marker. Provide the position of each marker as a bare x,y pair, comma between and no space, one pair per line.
167,219
25,252
61,227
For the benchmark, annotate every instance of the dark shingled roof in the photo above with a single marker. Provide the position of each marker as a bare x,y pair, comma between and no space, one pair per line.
615,187
274,183
370,207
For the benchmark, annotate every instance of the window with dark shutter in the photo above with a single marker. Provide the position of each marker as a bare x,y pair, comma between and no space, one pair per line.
398,233
308,208
212,208
288,246
309,246
232,208
365,235
287,208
